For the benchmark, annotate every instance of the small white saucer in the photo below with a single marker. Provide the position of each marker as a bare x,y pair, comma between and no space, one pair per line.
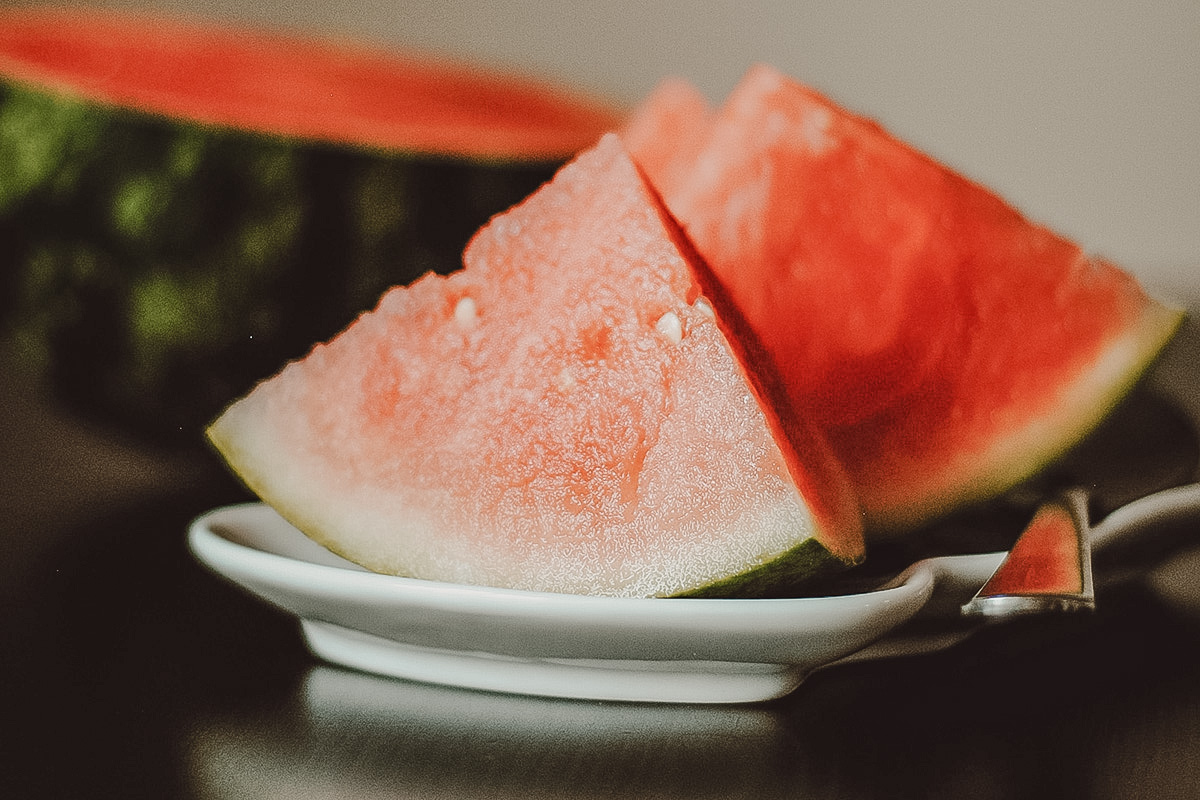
653,650
659,650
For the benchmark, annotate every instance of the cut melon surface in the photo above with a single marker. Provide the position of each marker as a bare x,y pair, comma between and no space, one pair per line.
286,84
1048,569
565,414
1045,560
947,346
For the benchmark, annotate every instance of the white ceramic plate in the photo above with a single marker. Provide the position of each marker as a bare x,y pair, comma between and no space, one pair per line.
676,650
682,650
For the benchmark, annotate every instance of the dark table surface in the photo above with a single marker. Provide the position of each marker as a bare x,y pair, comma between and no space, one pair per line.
130,671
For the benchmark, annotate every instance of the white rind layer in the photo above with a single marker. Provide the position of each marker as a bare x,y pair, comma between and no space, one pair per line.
1082,406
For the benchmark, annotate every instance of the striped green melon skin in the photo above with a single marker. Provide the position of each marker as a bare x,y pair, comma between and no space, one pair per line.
809,564
157,265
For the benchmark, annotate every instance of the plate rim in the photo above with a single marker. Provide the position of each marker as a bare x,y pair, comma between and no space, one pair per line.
772,625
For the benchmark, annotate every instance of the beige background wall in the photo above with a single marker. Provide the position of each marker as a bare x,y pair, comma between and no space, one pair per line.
1085,113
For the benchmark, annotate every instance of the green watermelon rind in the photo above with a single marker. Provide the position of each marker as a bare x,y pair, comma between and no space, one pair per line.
156,267
803,565
1046,439
162,253
768,574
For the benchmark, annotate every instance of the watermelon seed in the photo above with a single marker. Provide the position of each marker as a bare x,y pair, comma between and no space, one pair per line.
466,313
704,307
670,326
566,379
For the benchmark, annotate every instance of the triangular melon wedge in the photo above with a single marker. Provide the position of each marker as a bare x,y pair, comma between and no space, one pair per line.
1048,569
947,346
573,412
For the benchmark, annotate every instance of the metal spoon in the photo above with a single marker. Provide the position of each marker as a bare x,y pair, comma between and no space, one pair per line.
1048,569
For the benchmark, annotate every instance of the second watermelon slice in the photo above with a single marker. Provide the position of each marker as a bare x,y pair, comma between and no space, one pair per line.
947,346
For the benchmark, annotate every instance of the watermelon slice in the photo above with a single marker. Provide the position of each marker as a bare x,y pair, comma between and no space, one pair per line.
1049,568
575,411
947,346
184,205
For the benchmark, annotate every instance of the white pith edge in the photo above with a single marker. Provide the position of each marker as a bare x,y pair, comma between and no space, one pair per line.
1024,452
402,541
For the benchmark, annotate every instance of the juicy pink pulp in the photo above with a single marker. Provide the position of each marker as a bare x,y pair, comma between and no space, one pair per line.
562,414
1045,560
922,323
292,86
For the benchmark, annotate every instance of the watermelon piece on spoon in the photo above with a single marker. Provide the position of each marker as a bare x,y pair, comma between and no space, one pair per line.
577,410
1049,568
948,347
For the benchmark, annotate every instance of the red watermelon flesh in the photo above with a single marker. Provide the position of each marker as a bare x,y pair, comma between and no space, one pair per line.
946,345
565,414
1047,558
668,130
287,85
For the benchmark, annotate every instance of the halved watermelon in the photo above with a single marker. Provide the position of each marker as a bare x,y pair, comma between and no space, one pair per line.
186,204
575,411
947,346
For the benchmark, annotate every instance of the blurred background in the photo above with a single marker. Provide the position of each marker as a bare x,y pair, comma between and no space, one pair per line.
1083,113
